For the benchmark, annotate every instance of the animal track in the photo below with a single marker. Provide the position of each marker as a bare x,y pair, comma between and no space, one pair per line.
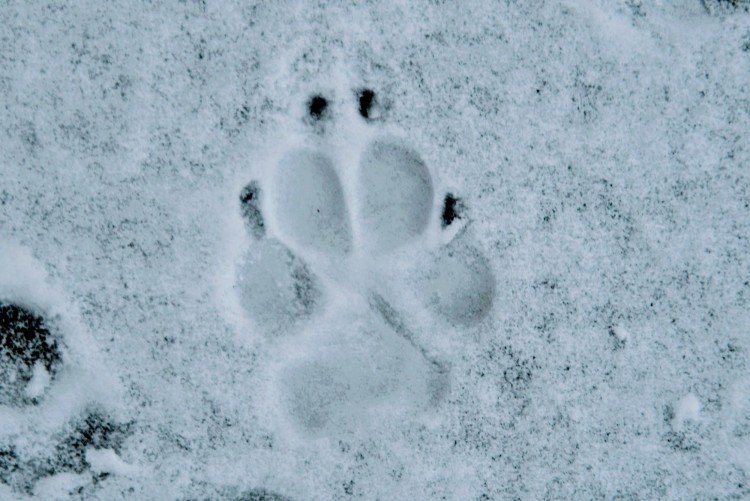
396,194
458,284
309,203
366,102
332,232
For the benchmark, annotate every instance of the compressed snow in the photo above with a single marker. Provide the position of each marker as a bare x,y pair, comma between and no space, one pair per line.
578,331
107,461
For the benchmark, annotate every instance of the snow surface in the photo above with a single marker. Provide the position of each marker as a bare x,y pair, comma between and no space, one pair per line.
581,331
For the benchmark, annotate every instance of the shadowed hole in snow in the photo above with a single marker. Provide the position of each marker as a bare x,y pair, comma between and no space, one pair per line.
317,106
451,210
366,99
29,355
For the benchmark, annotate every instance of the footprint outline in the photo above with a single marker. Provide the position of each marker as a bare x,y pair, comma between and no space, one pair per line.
395,227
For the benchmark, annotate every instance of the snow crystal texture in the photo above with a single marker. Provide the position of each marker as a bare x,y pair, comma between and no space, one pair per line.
378,250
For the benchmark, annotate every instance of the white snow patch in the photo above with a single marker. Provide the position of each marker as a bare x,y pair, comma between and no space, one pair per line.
620,332
688,408
40,380
58,487
107,461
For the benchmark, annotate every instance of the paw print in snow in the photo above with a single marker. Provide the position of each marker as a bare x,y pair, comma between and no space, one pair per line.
351,270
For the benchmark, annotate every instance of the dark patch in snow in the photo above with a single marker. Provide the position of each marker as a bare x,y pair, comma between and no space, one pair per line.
25,340
366,99
317,106
451,210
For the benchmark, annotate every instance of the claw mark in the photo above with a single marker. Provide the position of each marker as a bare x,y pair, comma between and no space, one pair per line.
317,107
250,205
451,209
366,98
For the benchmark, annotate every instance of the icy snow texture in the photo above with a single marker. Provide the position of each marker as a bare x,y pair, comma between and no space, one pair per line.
601,152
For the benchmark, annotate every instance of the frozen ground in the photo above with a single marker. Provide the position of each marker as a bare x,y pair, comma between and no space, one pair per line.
214,286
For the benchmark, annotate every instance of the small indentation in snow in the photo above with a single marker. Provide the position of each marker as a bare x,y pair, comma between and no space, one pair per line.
366,99
451,209
688,408
317,106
